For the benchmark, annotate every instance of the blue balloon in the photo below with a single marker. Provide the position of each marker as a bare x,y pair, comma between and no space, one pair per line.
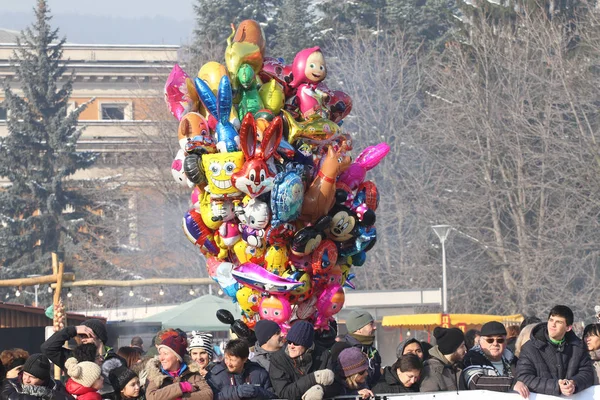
287,195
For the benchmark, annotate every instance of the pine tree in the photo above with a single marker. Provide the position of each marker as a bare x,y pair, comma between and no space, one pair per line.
213,22
344,18
41,210
295,29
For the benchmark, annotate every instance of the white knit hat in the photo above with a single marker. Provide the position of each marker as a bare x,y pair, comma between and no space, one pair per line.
201,340
85,373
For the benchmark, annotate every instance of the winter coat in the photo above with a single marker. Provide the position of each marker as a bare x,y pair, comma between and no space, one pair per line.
480,374
439,375
403,344
82,392
542,364
373,357
224,384
291,378
595,356
54,350
262,357
162,386
390,383
13,389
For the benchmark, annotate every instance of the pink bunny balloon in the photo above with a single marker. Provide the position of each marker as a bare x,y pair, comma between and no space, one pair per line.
366,161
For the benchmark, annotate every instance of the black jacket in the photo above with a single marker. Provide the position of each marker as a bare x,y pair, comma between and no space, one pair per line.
53,347
373,356
541,364
224,383
13,389
291,378
390,383
480,374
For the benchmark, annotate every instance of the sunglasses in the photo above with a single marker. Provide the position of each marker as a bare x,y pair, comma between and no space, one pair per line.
497,340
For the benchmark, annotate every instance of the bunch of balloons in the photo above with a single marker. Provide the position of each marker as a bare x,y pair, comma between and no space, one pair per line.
280,210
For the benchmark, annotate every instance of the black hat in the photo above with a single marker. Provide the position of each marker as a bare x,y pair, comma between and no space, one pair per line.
98,328
493,328
38,366
119,377
301,333
448,340
264,330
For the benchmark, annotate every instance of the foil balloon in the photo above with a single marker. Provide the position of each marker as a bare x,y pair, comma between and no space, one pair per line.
212,72
302,293
256,277
225,316
191,126
287,195
275,308
320,129
197,232
276,259
226,280
249,31
177,170
249,100
243,52
275,69
330,302
366,160
339,104
176,93
249,300
272,96
308,70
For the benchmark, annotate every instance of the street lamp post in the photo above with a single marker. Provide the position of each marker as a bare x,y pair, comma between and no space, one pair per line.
35,289
442,232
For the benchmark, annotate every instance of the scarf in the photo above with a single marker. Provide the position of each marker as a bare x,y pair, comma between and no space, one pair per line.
364,340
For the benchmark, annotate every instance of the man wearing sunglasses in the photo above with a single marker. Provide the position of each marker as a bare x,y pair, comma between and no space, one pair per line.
555,361
488,364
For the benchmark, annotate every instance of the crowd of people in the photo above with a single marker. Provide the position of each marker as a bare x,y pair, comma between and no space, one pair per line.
538,356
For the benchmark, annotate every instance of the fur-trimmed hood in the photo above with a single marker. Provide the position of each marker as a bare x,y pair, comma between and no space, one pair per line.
157,377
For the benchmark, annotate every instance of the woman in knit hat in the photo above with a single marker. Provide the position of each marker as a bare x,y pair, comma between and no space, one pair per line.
172,374
34,382
353,371
200,350
301,370
85,379
126,384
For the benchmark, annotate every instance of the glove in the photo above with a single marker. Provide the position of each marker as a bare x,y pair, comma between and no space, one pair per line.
324,377
186,387
246,391
314,393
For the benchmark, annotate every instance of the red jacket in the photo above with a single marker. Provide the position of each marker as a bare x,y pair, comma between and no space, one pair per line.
81,392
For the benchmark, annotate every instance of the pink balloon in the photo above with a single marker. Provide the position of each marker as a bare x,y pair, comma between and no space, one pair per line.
330,302
256,277
366,161
275,308
176,94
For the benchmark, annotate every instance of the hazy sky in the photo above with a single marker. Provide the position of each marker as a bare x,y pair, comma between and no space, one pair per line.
109,21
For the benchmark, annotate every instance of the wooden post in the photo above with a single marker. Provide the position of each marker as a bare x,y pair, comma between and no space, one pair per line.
58,271
54,263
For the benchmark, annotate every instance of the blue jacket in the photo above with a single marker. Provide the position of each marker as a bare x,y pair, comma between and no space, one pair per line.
224,384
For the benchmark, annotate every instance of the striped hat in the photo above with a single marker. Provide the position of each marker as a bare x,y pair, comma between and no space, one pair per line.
201,340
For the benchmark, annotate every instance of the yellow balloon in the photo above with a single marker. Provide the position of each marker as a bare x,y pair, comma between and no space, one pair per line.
276,259
211,73
239,53
272,96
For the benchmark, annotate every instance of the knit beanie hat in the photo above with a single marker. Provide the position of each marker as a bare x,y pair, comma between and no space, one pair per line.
38,366
98,328
119,377
301,333
201,340
356,319
448,340
264,330
85,373
352,361
175,344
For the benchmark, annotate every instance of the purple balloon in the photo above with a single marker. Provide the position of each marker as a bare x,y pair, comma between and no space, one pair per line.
256,277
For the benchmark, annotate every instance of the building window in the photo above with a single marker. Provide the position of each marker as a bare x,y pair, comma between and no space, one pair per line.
113,112
3,113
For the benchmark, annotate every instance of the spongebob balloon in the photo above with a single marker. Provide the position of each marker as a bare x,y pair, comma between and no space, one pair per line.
218,168
248,299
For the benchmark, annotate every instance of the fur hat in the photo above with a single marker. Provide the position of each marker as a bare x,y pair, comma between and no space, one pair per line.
448,340
38,366
85,373
201,340
356,319
98,328
120,376
264,330
352,361
301,333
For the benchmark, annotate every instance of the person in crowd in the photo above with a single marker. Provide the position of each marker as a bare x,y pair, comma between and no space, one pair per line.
353,372
402,377
137,341
90,331
2,372
487,366
132,355
524,337
591,338
237,378
472,338
301,370
441,372
85,379
555,361
268,340
126,384
532,319
426,346
13,361
173,375
34,382
201,351
410,346
512,333
361,334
